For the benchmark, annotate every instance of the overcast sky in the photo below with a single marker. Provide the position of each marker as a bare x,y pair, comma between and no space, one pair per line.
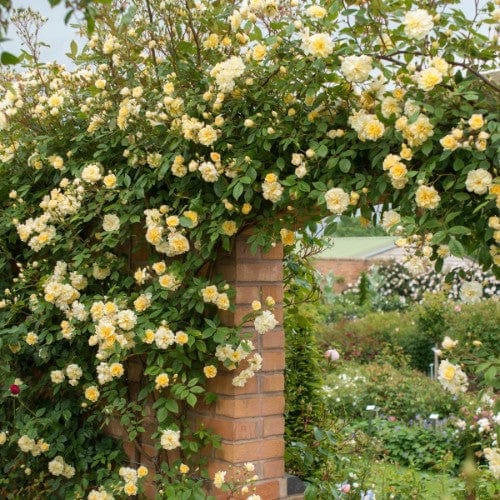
56,34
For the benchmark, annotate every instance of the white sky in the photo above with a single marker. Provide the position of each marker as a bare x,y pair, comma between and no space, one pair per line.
58,35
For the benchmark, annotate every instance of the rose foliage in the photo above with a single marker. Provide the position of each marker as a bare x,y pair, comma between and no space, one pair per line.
180,124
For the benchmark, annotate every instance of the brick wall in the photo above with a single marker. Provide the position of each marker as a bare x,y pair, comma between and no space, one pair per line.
249,420
347,270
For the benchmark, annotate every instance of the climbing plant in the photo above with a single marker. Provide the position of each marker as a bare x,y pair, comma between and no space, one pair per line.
178,125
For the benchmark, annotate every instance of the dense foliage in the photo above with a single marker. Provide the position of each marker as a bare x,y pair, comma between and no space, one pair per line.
181,124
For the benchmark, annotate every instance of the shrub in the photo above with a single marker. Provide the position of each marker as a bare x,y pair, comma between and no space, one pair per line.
401,394
415,445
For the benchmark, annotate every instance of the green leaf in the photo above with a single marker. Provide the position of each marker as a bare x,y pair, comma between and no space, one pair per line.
172,406
8,58
237,191
459,230
162,414
345,165
191,400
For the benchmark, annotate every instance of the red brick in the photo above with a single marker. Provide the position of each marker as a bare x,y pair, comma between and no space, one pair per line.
242,250
222,384
227,269
276,252
274,426
273,468
234,429
273,290
247,294
274,382
269,490
250,406
251,450
264,271
273,339
273,360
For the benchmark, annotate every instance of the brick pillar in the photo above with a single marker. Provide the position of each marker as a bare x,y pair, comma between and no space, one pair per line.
250,419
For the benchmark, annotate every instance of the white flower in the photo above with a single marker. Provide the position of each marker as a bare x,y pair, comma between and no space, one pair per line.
226,72
356,68
390,218
265,322
317,45
417,23
493,457
57,376
471,291
170,439
452,378
91,173
111,222
478,181
337,200
448,343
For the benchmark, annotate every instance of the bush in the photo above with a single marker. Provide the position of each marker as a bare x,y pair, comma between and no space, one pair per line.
419,446
362,339
401,394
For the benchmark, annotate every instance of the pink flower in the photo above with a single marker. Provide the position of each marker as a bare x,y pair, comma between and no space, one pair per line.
332,355
458,309
346,488
15,389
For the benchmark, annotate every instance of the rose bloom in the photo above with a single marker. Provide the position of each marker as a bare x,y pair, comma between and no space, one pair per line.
210,371
116,370
448,343
471,292
209,293
428,78
3,437
170,439
31,338
356,68
159,267
337,200
287,237
219,478
142,471
207,135
181,337
427,197
109,181
222,301
316,12
229,227
318,45
259,52
476,121
332,355
57,376
183,469
91,173
478,181
142,302
92,393
130,489
111,222
449,142
265,322
162,380
418,23
390,218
